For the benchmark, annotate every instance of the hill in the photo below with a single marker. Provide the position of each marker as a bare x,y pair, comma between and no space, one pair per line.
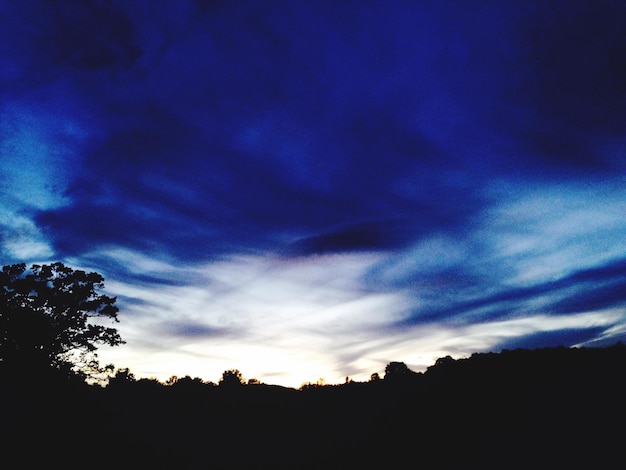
543,408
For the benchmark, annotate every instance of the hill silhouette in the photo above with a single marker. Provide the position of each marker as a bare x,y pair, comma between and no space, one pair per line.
542,408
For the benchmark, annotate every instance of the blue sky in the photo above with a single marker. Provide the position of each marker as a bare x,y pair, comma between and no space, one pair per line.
314,189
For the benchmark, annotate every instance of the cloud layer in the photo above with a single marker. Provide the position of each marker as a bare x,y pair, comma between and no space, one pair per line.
342,185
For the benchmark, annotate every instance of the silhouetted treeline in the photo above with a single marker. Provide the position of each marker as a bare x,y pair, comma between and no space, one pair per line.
544,408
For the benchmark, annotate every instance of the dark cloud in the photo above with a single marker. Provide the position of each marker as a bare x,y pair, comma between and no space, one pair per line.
230,104
89,35
609,295
366,236
546,339
80,228
586,290
47,42
192,330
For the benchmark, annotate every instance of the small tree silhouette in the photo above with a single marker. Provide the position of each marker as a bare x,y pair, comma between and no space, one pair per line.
231,378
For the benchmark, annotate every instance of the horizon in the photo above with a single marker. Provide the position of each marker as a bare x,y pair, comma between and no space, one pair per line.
306,190
380,376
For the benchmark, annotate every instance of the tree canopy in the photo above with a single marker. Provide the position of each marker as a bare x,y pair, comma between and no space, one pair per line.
396,371
231,378
44,318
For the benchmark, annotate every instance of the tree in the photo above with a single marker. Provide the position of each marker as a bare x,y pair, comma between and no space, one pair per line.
397,371
44,318
122,377
186,382
231,378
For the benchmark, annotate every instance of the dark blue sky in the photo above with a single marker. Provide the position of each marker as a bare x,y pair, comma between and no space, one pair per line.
306,189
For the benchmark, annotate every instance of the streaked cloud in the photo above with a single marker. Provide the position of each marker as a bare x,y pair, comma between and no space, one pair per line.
301,194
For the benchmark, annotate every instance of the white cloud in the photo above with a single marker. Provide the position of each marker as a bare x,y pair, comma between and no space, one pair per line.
21,238
545,233
280,320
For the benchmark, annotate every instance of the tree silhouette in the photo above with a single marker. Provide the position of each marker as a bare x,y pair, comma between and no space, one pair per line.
44,318
231,378
122,377
398,371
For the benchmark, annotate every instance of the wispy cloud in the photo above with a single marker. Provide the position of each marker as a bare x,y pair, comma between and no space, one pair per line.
275,187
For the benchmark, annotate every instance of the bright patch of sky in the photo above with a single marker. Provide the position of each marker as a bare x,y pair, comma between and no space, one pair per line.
553,230
37,165
38,162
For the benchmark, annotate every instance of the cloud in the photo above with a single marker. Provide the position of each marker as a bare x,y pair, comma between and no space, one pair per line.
235,312
533,329
239,138
251,312
21,239
536,252
545,339
366,236
190,330
601,294
39,154
263,178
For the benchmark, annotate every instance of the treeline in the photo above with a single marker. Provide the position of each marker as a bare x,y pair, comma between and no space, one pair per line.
543,408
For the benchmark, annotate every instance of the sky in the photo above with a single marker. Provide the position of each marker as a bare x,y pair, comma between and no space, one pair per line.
313,189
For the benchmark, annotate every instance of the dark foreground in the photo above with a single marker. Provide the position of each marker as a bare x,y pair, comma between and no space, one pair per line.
547,408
